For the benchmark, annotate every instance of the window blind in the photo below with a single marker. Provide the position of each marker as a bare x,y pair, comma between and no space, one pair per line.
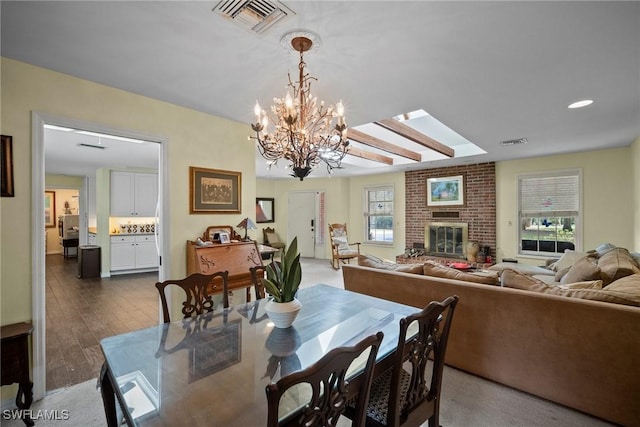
551,196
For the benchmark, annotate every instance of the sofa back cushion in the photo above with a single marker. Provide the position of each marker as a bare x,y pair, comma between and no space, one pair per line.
514,279
616,264
375,262
435,269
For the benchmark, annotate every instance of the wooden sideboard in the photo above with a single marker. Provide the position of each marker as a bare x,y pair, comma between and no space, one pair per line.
15,364
236,258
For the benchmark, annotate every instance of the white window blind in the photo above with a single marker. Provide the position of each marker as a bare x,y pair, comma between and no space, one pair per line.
551,196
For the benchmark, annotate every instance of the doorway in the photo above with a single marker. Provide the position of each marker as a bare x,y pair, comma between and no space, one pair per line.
39,270
306,215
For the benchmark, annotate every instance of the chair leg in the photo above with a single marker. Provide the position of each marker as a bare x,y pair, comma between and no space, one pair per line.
335,264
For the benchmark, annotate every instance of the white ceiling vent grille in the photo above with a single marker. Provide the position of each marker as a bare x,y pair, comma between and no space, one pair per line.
256,15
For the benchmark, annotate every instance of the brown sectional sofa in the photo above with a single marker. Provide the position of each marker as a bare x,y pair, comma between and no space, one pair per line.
581,353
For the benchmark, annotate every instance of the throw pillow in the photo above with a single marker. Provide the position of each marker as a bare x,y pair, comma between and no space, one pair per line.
592,284
616,264
583,269
561,273
432,268
568,258
630,284
514,279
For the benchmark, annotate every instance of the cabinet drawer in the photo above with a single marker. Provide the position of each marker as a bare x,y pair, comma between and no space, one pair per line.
145,238
123,239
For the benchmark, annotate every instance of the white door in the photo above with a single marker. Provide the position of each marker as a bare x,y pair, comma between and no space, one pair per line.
302,221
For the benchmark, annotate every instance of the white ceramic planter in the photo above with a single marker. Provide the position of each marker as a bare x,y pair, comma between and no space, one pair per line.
282,314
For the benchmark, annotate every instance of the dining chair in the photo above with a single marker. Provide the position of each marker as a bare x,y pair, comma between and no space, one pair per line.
197,298
257,273
402,397
330,389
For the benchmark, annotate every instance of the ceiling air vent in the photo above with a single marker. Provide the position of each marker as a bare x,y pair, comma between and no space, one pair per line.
514,141
256,15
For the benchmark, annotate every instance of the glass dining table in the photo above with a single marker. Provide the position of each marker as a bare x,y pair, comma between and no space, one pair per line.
212,370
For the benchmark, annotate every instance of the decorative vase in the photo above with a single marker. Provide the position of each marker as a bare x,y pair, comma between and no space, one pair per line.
282,314
472,251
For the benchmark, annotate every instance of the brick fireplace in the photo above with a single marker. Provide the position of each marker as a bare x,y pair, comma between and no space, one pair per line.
478,212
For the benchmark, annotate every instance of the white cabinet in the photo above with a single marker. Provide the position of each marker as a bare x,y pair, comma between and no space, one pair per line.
133,253
134,194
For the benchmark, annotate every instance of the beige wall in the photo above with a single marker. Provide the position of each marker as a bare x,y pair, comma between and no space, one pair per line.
336,200
194,139
607,196
344,203
635,191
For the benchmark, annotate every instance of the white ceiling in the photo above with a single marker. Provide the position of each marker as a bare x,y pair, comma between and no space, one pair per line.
492,71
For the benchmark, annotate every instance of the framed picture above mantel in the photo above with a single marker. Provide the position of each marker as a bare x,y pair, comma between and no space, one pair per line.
446,191
214,191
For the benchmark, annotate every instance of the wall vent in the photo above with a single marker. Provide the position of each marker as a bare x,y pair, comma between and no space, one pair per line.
445,214
514,141
255,15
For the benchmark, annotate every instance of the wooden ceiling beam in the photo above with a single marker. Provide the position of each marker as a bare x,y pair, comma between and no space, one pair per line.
372,141
412,134
369,155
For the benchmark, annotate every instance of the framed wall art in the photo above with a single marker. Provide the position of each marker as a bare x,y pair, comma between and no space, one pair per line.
264,209
214,191
50,209
445,191
6,160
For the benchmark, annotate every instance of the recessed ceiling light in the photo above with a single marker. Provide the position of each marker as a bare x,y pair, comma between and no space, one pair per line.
582,103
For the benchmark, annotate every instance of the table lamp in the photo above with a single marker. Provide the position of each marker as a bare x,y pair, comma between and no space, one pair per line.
247,224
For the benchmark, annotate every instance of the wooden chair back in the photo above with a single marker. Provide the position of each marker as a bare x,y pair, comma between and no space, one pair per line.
257,273
330,389
197,300
412,400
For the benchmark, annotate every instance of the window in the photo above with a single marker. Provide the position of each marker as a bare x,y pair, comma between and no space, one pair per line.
379,214
549,212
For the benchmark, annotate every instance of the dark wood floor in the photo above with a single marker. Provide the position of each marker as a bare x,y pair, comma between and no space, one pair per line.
80,312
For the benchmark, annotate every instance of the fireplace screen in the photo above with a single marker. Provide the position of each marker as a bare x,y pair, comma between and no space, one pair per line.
446,239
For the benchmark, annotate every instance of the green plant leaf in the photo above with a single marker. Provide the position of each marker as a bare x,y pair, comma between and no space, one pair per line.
272,289
283,279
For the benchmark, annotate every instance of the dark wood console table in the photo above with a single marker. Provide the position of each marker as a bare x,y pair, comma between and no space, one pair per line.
15,363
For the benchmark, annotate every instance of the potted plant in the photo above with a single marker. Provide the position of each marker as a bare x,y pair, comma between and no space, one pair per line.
282,282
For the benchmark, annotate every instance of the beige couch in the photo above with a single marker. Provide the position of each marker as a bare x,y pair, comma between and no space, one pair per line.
580,353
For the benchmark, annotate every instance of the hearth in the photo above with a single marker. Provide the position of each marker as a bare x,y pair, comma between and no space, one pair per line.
446,239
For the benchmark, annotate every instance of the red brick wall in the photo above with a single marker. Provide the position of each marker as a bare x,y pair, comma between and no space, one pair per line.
479,211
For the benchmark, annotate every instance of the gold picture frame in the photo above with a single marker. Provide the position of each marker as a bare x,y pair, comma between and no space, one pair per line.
214,191
6,159
446,191
50,209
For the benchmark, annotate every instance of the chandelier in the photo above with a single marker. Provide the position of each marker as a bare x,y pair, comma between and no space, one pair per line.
303,132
